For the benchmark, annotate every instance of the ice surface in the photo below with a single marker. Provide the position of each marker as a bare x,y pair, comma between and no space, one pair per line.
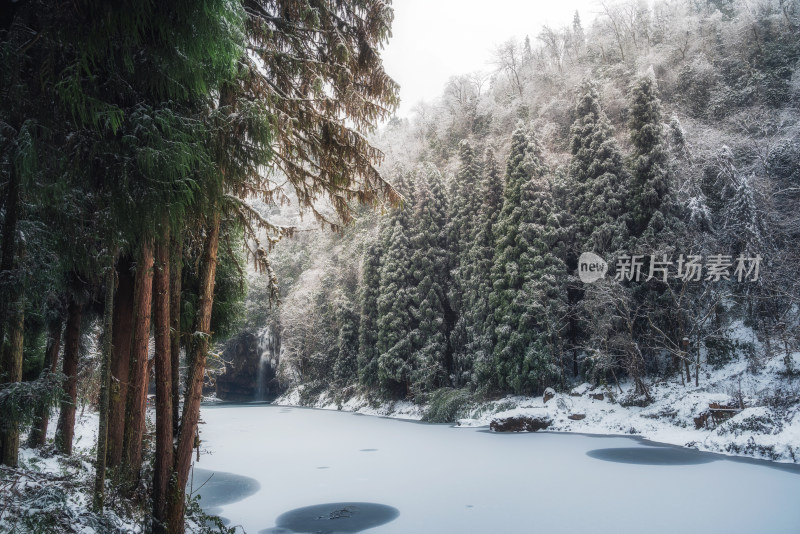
332,518
443,479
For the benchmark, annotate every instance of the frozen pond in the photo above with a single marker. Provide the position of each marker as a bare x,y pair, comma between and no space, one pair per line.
291,470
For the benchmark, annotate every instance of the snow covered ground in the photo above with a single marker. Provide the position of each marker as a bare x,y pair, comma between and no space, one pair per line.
769,427
49,491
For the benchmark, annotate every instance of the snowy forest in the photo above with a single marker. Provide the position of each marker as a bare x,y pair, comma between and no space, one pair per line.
667,132
217,204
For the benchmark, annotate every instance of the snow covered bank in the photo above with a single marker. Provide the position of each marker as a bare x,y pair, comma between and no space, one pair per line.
51,493
768,427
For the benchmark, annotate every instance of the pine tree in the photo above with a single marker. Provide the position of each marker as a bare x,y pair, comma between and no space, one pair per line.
345,369
395,322
465,201
520,364
650,179
597,179
462,225
391,322
544,289
368,324
429,262
578,37
476,319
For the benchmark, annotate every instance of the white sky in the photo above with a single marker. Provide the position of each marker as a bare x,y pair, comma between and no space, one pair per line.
436,39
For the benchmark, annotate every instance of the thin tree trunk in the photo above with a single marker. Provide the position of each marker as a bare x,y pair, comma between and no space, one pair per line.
38,435
175,273
8,247
697,370
105,386
122,338
197,358
72,341
137,392
163,361
12,365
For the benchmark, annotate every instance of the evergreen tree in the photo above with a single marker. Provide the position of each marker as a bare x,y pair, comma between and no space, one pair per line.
462,225
742,226
345,369
597,179
476,319
650,180
368,324
429,262
395,321
392,319
465,202
544,288
519,364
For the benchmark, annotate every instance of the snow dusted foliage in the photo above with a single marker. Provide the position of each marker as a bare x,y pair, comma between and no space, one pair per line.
742,222
307,349
598,180
466,201
650,181
464,210
699,213
368,328
544,286
522,359
660,139
475,324
345,369
430,264
395,320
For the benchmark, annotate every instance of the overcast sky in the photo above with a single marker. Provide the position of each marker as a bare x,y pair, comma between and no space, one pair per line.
436,39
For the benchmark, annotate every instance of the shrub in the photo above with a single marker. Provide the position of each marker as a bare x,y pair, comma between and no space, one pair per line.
446,405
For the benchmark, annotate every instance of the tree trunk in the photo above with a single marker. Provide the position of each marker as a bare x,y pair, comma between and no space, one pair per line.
8,247
697,369
38,435
121,340
105,386
137,392
163,361
191,406
12,365
72,341
175,273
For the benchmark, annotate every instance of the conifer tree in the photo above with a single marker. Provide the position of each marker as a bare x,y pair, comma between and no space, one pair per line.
597,179
462,224
650,180
476,320
518,364
430,260
395,321
742,226
368,324
465,203
345,369
392,319
544,288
